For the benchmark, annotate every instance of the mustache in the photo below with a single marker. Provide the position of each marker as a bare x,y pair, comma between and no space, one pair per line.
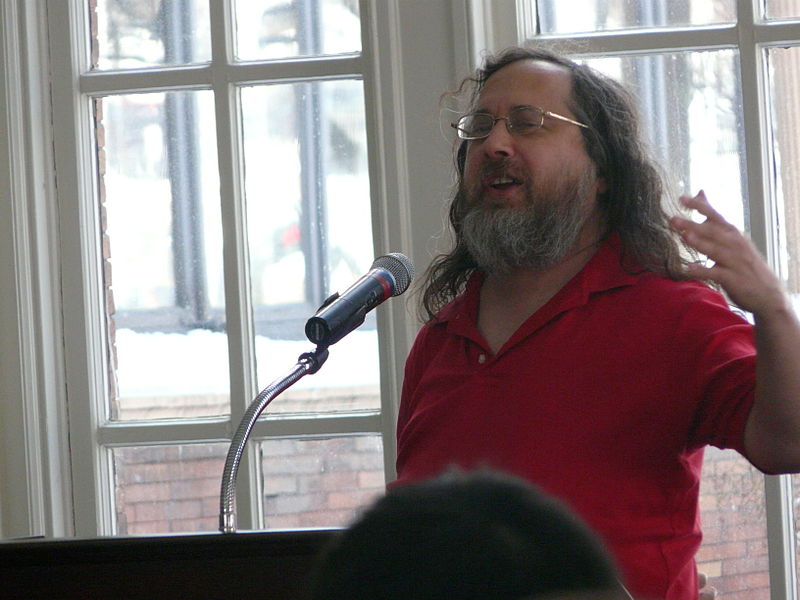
502,167
470,192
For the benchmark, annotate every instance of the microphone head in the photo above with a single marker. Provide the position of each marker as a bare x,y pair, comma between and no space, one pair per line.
401,268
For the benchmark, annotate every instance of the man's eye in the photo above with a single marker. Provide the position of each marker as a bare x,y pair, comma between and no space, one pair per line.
525,124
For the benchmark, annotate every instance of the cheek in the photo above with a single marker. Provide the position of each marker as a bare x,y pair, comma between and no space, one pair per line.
470,164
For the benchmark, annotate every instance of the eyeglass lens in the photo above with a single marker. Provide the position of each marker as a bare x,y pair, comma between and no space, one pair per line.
522,120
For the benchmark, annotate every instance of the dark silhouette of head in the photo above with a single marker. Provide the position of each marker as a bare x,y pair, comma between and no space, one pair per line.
481,536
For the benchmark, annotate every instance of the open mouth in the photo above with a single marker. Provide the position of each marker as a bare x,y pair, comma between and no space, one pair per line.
503,182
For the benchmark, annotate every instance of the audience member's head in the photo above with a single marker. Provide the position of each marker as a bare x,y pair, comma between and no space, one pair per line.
474,536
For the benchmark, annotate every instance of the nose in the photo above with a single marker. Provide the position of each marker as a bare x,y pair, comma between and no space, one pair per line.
499,142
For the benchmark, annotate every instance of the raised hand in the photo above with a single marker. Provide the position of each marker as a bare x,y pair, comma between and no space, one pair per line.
738,266
772,432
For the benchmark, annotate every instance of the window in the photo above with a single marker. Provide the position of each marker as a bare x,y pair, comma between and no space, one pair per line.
214,165
717,85
185,184
294,202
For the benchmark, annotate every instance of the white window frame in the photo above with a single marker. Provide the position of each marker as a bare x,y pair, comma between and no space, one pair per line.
506,23
35,489
418,49
54,476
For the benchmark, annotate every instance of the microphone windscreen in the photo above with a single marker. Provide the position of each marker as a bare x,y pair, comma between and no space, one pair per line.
401,268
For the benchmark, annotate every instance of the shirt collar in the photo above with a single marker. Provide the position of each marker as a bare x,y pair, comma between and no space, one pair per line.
609,268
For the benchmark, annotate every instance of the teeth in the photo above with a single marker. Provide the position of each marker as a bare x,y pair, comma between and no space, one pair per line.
503,181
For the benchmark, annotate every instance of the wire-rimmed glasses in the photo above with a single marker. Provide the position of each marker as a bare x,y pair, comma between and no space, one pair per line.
521,120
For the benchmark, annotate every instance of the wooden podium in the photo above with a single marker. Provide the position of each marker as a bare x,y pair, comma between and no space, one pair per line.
263,565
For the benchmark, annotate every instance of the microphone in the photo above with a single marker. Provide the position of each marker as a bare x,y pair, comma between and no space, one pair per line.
390,275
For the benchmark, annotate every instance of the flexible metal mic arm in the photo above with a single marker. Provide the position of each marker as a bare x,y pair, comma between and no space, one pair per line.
307,364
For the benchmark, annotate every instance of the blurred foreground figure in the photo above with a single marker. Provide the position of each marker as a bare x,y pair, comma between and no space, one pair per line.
467,537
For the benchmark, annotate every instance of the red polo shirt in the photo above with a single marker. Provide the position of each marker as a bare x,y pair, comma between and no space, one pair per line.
605,398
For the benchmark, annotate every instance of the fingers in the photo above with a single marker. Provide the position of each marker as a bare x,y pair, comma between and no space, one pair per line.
735,263
700,204
714,237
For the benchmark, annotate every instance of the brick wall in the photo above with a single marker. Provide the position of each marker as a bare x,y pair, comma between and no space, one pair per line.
168,488
734,550
308,483
320,483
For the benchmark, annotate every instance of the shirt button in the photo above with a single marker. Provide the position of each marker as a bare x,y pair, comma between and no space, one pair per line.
481,358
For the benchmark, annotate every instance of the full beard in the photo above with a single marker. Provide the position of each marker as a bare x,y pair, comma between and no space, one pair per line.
537,235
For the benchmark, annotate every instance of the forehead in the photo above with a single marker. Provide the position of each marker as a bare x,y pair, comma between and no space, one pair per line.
533,82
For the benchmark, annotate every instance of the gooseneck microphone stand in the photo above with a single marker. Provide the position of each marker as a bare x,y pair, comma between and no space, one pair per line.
389,275
307,364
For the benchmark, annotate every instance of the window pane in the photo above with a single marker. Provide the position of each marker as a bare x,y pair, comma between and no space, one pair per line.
690,103
785,115
135,34
320,483
556,16
734,550
310,234
163,255
782,9
284,28
166,489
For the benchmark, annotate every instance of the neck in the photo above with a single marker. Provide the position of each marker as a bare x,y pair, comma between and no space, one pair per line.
507,300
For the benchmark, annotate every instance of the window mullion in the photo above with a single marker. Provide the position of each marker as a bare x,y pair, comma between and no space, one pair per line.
84,330
301,426
752,70
652,41
780,537
312,199
172,432
777,32
311,147
388,176
238,305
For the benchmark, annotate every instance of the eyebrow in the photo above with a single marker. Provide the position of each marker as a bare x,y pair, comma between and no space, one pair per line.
486,111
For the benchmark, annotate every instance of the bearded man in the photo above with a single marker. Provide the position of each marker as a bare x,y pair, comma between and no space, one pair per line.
571,341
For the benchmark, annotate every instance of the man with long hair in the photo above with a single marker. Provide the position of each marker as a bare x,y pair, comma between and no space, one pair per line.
570,337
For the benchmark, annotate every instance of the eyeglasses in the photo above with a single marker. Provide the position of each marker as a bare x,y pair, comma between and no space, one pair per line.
522,120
